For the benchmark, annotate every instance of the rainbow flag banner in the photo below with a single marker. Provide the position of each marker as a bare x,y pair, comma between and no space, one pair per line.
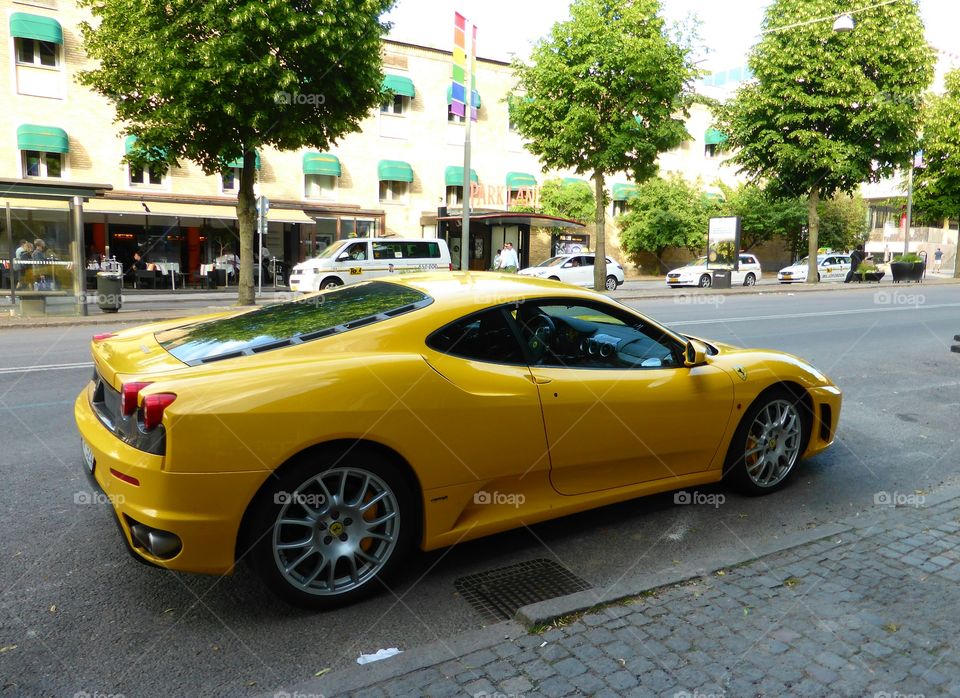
458,97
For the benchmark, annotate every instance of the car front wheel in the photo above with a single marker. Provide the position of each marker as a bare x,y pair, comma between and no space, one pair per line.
331,282
768,443
327,534
611,283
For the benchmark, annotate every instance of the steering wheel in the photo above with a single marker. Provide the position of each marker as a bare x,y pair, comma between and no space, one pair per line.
542,332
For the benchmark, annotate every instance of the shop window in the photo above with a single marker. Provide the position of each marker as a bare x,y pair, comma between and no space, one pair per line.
396,105
230,180
148,175
393,192
37,53
454,196
37,164
320,186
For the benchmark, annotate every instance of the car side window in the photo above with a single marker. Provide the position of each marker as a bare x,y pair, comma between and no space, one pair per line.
744,259
586,335
387,250
484,336
357,251
587,261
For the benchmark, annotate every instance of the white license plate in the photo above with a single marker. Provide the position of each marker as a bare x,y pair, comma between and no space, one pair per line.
88,458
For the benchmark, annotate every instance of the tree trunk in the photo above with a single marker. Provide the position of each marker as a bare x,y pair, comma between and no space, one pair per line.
600,248
813,235
247,217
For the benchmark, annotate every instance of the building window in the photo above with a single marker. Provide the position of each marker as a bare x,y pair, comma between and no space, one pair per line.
619,208
230,180
392,192
396,105
318,186
151,174
38,164
453,118
454,196
710,151
35,52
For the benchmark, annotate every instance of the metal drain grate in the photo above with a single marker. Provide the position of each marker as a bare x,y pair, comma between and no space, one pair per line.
497,594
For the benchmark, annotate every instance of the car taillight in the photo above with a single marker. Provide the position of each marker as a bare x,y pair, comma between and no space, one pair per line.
102,336
153,407
129,392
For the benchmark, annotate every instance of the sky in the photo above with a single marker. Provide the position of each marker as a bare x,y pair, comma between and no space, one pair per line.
728,27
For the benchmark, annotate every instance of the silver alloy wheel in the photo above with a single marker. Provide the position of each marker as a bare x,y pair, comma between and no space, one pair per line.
611,284
336,531
705,281
773,443
750,280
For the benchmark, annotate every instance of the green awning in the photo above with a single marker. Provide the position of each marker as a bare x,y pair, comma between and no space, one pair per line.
395,171
575,180
476,97
46,139
516,180
398,85
26,26
622,192
130,144
321,164
714,137
453,176
238,162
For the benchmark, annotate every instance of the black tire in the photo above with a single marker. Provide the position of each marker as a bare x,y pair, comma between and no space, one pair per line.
750,280
296,482
737,468
554,278
611,283
330,282
705,281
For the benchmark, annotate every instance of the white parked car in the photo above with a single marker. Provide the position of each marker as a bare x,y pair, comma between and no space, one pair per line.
831,267
361,259
575,269
697,274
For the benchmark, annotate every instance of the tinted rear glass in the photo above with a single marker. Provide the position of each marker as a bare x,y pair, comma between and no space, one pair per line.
297,321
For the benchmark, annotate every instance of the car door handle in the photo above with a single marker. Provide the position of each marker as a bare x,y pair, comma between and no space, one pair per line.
540,380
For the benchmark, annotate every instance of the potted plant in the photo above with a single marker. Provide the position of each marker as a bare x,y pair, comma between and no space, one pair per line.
868,271
907,267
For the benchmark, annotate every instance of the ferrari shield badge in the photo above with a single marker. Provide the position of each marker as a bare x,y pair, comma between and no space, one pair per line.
741,371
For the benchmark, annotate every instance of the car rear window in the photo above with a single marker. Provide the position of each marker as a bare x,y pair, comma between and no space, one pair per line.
293,322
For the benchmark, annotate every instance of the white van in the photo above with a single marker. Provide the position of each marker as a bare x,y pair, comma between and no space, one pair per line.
361,259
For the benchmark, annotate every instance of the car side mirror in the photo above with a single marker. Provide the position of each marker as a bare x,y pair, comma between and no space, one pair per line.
694,354
343,256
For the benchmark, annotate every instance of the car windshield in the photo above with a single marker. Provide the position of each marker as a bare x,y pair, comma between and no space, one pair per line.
293,322
554,261
329,251
699,262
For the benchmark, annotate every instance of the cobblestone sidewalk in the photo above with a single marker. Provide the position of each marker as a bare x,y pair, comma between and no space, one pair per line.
874,611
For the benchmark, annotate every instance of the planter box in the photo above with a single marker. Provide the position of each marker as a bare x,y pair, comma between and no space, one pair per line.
869,276
907,271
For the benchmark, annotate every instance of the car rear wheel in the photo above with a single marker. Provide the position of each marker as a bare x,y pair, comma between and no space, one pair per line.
611,283
768,443
327,534
705,281
750,280
330,282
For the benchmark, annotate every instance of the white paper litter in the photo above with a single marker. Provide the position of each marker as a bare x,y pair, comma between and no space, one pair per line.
378,655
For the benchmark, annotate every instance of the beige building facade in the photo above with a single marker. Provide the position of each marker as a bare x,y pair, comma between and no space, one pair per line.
401,174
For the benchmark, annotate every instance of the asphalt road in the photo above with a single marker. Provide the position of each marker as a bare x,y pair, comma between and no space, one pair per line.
78,614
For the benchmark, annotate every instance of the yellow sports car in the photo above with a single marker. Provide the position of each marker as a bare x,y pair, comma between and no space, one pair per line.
323,438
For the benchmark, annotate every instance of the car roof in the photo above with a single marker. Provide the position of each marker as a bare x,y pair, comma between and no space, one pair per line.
466,288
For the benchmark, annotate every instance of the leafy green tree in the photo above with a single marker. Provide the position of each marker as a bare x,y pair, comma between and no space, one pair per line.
214,81
568,199
606,91
936,191
843,222
828,111
665,213
763,216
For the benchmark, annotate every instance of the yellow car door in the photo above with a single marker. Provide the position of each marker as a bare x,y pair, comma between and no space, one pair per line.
619,407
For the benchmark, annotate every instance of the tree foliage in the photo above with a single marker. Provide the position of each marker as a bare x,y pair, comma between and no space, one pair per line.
605,92
665,213
936,190
213,81
828,111
763,215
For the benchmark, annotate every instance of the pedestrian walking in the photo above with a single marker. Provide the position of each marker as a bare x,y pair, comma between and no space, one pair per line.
937,259
509,262
856,259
